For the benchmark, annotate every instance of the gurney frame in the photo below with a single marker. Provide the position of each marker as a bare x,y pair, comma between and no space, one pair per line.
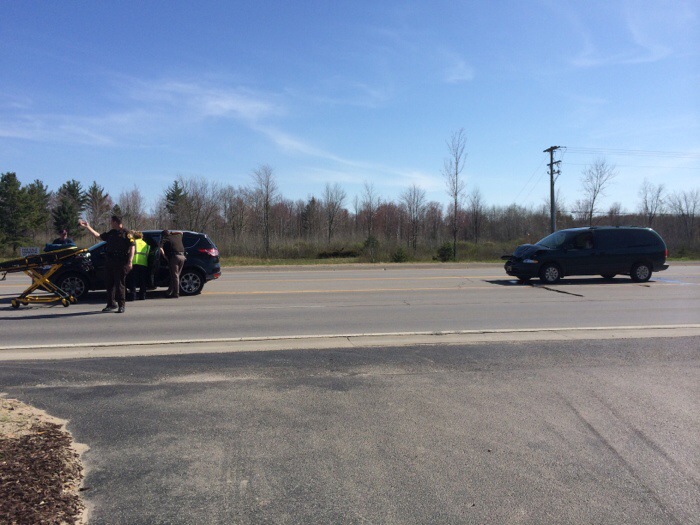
34,266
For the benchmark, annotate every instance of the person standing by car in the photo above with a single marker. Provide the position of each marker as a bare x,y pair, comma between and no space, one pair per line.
119,250
138,276
172,248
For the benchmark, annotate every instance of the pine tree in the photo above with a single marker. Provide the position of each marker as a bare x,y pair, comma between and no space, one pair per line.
175,198
98,208
70,204
38,203
14,213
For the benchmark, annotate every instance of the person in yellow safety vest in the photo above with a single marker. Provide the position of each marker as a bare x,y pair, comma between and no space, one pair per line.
138,276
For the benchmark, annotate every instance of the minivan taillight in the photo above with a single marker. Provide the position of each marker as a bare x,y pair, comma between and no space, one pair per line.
666,254
209,251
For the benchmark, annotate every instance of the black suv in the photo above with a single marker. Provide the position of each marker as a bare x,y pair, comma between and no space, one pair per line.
605,251
86,271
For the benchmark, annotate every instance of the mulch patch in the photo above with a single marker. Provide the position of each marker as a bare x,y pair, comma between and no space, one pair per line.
39,476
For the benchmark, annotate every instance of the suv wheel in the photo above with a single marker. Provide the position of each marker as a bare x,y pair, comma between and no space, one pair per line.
640,273
74,284
191,282
550,273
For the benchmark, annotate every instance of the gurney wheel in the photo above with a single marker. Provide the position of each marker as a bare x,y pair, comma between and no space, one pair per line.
15,304
65,302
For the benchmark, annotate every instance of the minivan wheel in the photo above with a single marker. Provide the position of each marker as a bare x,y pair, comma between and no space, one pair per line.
74,284
550,273
191,282
641,272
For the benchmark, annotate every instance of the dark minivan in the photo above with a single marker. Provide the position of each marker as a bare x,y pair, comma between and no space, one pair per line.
87,271
604,250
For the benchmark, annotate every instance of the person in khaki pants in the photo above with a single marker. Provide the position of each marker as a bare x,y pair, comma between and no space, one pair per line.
172,248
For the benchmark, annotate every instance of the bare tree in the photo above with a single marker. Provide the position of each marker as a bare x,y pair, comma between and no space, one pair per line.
333,199
235,205
370,203
201,206
685,205
452,171
133,208
615,214
266,190
413,200
652,201
595,180
476,213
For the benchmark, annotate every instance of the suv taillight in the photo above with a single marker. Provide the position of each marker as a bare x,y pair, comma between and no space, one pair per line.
666,254
209,251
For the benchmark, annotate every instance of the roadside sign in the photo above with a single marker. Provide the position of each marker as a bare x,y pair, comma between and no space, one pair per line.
28,250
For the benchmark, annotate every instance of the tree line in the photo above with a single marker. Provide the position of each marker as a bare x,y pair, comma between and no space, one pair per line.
258,221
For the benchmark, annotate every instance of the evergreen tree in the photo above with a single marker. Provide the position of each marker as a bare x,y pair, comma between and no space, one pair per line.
175,199
38,203
70,204
98,208
14,214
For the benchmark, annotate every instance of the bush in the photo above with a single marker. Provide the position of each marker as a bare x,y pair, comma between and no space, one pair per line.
339,253
370,249
445,252
399,256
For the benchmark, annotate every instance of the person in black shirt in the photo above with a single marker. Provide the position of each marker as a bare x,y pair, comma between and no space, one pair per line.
172,248
120,253
63,238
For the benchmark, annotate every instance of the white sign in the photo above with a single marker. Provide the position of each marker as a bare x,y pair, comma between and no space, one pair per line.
29,250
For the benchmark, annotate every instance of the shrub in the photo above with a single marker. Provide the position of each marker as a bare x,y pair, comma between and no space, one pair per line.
445,252
370,249
399,256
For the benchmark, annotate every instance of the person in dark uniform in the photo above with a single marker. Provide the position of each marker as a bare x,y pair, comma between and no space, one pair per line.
63,238
119,250
172,248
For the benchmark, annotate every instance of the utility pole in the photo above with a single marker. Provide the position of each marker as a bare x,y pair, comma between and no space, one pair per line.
553,170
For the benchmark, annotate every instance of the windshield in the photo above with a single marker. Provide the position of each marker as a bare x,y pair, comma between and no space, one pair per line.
553,241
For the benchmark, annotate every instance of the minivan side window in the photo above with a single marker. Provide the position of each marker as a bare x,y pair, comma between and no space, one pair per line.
611,239
582,241
639,238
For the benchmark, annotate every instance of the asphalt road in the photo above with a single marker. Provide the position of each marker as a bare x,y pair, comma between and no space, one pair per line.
250,303
554,432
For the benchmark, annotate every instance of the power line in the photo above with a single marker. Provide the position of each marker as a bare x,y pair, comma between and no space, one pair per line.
636,166
634,153
528,182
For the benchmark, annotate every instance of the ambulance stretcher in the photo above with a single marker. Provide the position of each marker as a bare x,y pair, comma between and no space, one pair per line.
35,266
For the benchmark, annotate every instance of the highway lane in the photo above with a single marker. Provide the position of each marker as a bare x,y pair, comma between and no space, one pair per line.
301,301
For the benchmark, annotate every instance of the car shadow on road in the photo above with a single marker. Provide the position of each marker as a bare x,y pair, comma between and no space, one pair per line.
565,281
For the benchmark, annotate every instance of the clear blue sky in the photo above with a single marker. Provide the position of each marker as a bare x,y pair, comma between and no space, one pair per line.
137,93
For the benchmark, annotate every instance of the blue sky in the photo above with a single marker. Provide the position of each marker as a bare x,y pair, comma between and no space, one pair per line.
137,93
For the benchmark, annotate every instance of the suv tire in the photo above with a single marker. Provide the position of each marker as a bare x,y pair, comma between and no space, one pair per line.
74,284
191,282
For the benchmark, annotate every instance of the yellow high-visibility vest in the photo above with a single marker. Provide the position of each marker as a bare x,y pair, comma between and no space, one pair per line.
141,253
